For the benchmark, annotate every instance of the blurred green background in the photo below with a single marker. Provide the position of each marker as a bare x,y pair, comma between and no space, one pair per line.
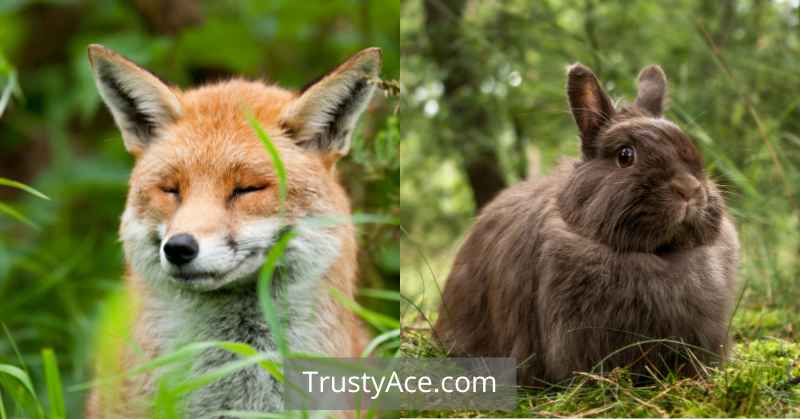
486,106
56,135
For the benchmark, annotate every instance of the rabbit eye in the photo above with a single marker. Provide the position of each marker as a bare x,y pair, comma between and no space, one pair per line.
625,156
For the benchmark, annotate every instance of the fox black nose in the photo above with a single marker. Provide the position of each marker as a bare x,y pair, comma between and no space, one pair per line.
181,249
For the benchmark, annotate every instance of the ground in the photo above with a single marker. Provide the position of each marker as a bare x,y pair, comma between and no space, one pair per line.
761,378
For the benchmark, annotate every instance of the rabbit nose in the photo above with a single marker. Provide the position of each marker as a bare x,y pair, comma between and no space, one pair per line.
687,186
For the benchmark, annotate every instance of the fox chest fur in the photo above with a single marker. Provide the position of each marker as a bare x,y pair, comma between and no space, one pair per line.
311,323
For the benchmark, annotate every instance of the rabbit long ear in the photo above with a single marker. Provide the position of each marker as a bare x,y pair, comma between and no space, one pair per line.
591,106
652,90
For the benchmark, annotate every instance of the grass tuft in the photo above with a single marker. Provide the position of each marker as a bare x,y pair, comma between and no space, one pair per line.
759,379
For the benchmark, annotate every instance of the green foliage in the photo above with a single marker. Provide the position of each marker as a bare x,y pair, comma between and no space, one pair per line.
754,383
61,284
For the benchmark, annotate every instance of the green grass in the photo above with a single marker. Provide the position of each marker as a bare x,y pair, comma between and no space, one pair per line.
757,381
16,382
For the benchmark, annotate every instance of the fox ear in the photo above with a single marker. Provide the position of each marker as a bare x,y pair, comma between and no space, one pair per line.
323,116
652,90
591,106
140,103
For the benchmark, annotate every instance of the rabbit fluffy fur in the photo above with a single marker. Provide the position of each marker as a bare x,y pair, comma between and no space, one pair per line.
624,258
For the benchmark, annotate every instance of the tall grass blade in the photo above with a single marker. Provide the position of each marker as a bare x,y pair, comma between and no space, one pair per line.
19,375
245,350
22,186
276,251
14,346
22,377
167,403
13,213
379,340
3,414
9,87
53,381
265,291
381,321
280,169
332,220
209,377
378,294
190,351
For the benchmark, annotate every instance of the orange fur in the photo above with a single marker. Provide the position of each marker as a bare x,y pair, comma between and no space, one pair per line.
206,152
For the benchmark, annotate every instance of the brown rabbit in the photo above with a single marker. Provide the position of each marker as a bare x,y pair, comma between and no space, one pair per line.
626,257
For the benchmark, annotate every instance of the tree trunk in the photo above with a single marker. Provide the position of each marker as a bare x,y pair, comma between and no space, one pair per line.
485,178
480,160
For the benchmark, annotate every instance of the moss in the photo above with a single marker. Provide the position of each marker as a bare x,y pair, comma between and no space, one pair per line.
766,321
756,381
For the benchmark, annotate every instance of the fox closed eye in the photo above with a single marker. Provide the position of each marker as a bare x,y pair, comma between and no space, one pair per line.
243,190
171,190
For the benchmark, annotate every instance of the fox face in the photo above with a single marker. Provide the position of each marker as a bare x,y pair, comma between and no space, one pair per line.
204,208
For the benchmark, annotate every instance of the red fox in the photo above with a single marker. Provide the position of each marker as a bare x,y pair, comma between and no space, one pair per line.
203,209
